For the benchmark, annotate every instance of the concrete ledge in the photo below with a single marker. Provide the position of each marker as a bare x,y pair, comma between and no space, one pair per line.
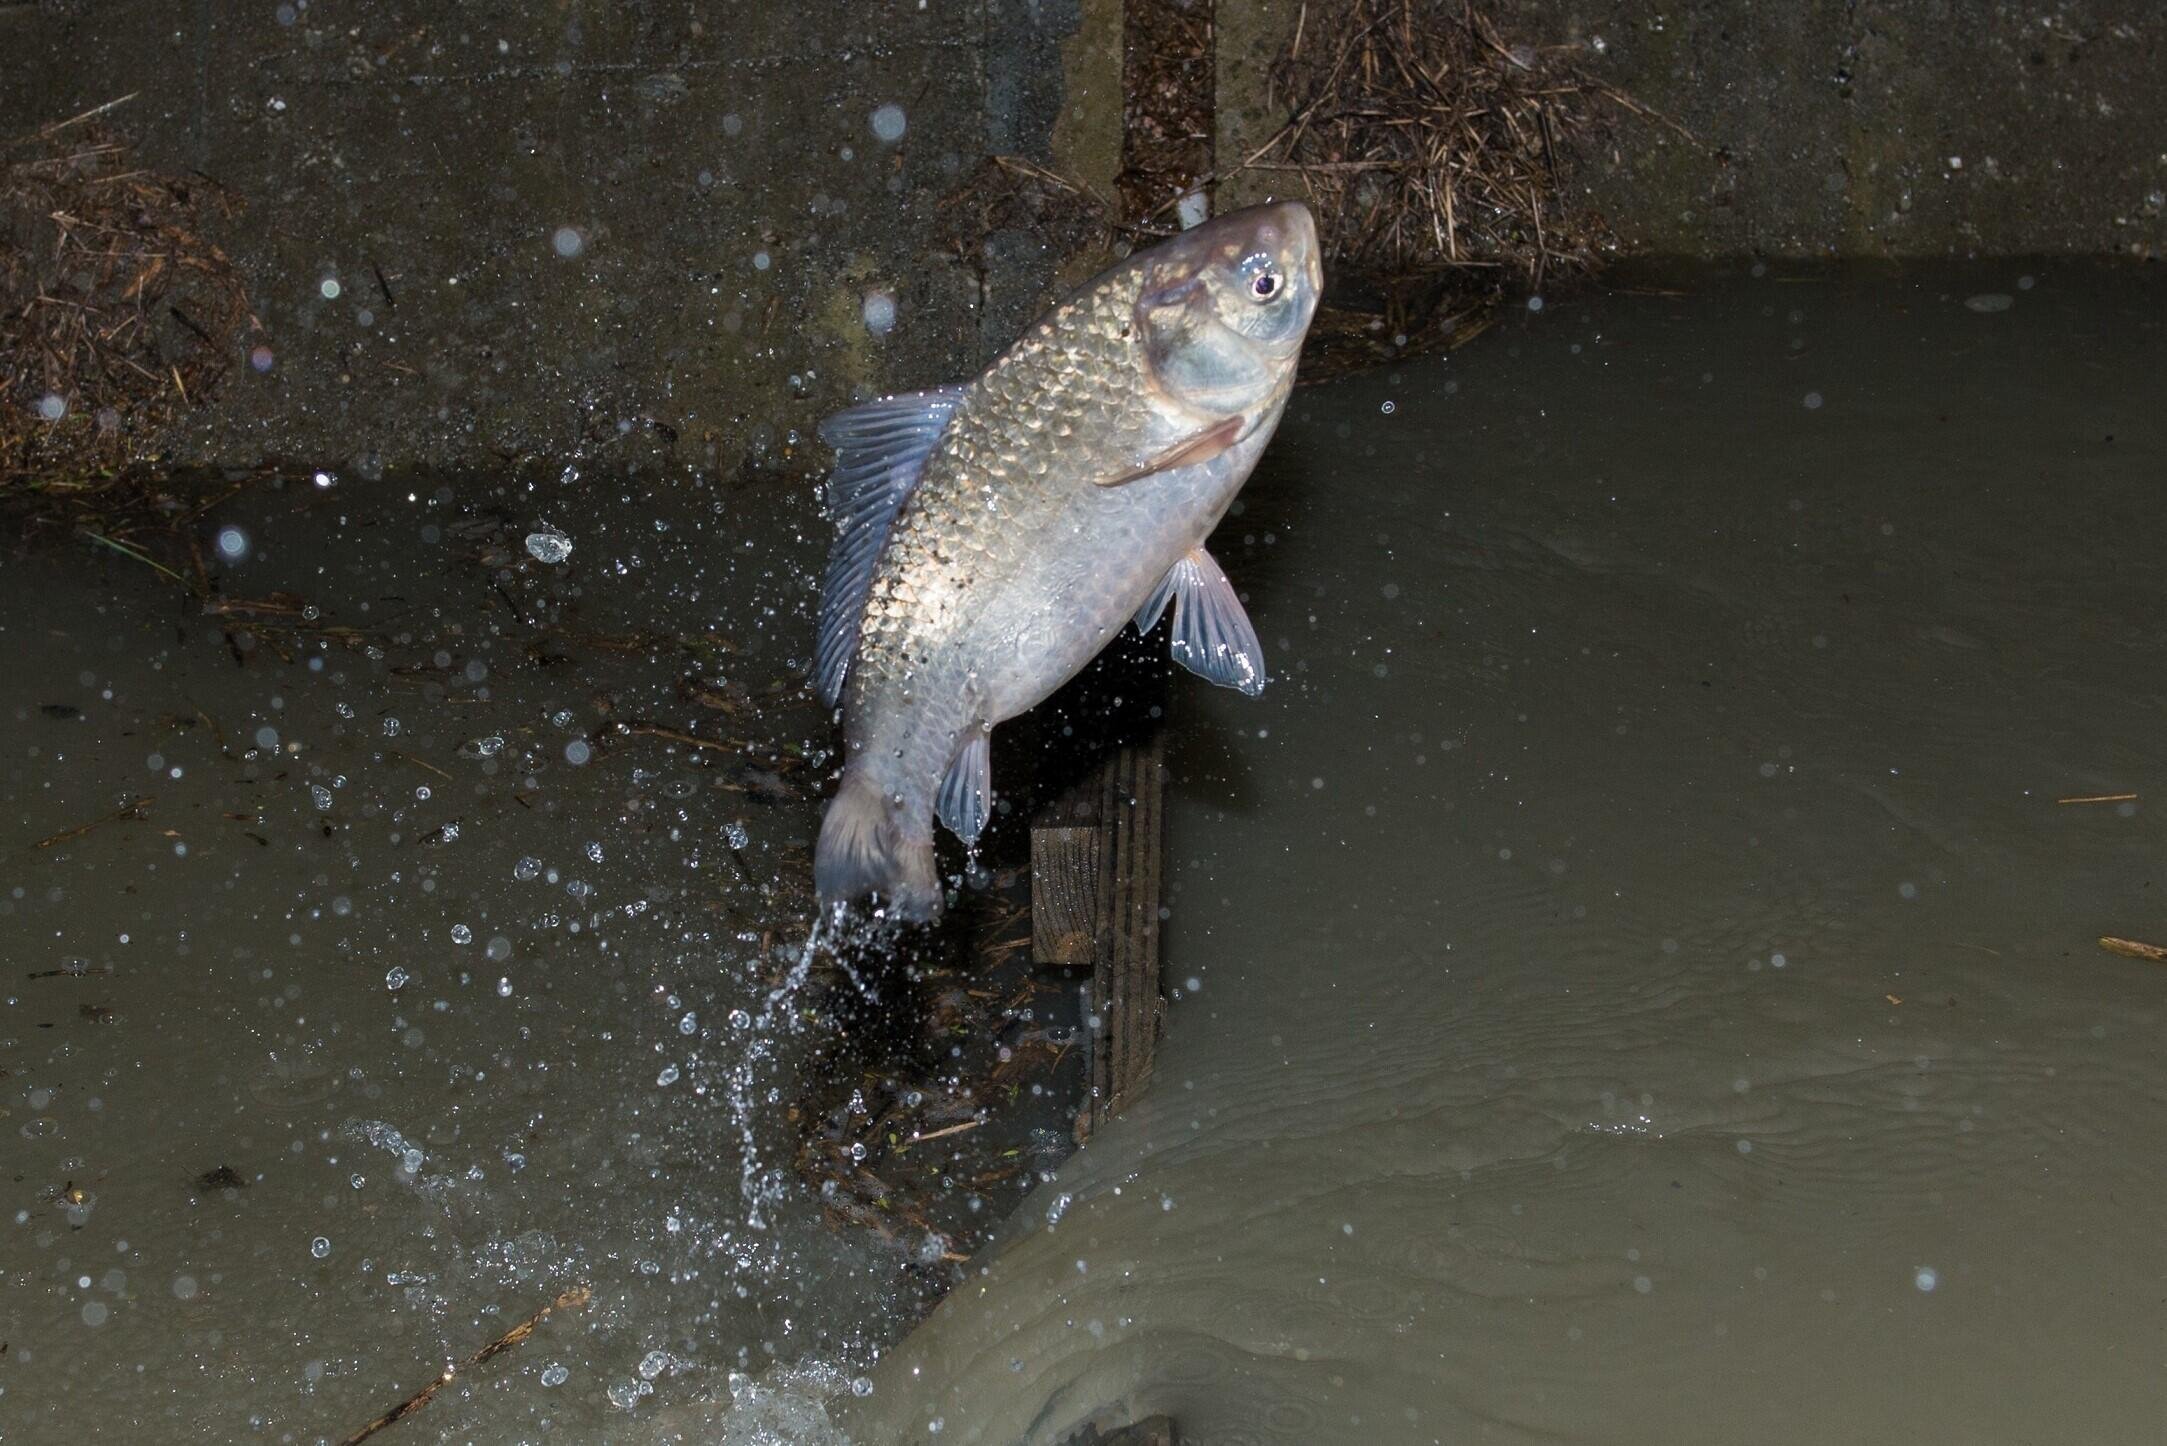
1885,128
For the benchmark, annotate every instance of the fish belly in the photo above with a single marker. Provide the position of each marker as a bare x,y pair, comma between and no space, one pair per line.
1098,557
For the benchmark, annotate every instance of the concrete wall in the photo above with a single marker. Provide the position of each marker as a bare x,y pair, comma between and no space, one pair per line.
714,169
676,145
1903,128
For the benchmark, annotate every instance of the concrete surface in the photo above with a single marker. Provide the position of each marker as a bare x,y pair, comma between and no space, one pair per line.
1880,128
414,172
426,161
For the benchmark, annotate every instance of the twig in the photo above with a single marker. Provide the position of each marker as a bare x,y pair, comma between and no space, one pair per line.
133,811
572,1299
2133,949
2099,798
419,763
950,1130
639,728
135,553
97,110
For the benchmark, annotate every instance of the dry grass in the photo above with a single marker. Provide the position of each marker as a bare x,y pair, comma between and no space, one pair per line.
1436,154
117,314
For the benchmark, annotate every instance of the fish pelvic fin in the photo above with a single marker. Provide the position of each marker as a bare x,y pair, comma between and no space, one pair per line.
966,796
1213,637
864,850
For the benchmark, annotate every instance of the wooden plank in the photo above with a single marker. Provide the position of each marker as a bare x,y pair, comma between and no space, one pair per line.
1065,895
1125,975
1151,1431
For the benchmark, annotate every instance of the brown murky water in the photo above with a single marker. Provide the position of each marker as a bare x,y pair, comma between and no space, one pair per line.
1641,984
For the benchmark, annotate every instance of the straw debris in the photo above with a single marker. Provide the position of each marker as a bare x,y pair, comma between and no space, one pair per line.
1436,154
118,314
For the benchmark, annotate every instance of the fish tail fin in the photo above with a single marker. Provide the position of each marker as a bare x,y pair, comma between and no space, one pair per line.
864,849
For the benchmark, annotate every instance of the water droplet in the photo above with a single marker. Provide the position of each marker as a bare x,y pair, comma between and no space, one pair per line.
879,312
548,545
396,977
567,242
889,122
320,1246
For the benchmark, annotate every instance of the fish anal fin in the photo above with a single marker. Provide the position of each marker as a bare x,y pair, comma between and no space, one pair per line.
966,796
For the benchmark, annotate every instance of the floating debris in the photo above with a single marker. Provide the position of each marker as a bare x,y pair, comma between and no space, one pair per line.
571,1299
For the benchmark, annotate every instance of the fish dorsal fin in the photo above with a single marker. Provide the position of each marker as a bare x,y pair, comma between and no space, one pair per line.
880,450
1213,637
966,796
1202,447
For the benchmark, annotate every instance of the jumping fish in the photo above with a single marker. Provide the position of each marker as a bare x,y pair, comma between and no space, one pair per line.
991,536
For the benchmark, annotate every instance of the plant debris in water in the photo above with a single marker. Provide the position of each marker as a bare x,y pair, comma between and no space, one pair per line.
939,1113
117,313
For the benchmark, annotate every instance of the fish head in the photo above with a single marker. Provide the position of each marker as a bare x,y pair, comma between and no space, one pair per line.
1225,306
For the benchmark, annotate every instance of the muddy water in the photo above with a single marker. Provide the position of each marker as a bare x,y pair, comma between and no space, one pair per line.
384,1001
1638,982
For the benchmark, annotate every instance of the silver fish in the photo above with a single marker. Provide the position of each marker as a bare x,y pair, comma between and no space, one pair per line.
992,536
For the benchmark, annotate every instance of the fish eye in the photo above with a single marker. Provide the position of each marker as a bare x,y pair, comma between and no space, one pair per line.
1265,285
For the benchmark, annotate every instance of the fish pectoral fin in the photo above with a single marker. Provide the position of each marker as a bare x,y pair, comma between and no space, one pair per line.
1202,447
966,797
880,450
1213,637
